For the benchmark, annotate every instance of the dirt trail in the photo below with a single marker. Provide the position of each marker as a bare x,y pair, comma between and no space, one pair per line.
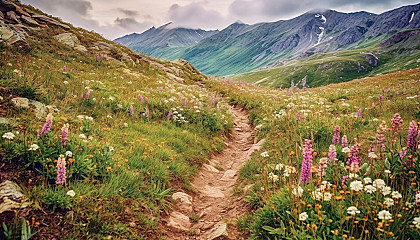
214,208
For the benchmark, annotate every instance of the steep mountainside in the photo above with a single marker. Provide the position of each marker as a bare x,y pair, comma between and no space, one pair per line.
164,42
241,48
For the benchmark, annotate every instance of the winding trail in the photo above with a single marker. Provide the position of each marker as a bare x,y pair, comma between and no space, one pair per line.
214,207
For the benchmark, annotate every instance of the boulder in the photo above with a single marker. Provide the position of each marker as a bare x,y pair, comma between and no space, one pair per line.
40,109
80,48
68,39
12,16
20,102
219,230
48,20
30,21
229,175
11,197
103,46
179,221
184,202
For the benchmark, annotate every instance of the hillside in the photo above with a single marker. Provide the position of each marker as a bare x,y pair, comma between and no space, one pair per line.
165,41
241,48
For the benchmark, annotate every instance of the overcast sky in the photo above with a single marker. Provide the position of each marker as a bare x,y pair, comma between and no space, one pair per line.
115,18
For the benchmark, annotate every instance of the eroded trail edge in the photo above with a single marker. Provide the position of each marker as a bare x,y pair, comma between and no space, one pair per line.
206,214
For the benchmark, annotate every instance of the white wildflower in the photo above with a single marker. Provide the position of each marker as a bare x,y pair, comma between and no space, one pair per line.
71,193
33,147
379,183
416,222
372,155
384,215
8,135
297,191
345,150
370,189
389,202
264,154
353,210
303,216
367,180
396,194
356,186
273,177
386,190
69,154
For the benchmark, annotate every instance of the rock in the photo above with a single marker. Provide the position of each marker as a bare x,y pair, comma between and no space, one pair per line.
40,109
6,33
103,46
179,221
80,48
30,21
228,175
212,192
48,20
126,58
11,197
1,15
219,230
68,39
184,202
20,102
8,5
12,16
210,168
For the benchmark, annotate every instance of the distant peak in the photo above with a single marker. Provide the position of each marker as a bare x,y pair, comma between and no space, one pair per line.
167,26
239,22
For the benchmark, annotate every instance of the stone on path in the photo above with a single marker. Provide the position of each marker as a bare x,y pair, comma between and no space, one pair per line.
229,175
179,221
214,192
210,168
184,202
220,229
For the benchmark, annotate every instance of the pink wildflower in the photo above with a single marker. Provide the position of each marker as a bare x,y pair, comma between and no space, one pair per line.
344,142
47,126
413,132
336,137
61,170
131,110
306,170
64,134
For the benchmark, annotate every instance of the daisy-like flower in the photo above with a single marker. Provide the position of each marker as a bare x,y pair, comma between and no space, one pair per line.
345,150
303,216
372,155
416,222
69,154
356,186
264,154
33,147
353,210
379,183
370,189
389,202
71,193
386,190
384,215
367,180
396,194
327,196
273,177
297,191
8,135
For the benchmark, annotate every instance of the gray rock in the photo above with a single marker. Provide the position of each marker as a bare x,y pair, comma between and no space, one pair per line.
210,168
219,230
179,221
126,58
103,46
30,21
40,109
184,202
68,39
228,175
11,197
12,16
80,48
20,102
48,20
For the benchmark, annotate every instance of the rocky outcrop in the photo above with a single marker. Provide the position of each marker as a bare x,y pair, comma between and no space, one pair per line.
70,40
11,197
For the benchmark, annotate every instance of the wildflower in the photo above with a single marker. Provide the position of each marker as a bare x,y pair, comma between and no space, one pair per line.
87,96
64,134
396,194
213,101
298,118
140,97
379,183
413,131
33,147
169,115
336,137
356,186
327,196
8,136
303,216
344,142
353,160
64,68
147,112
332,154
344,179
47,126
264,155
71,193
380,97
151,90
82,136
384,215
370,189
297,191
372,155
416,222
273,177
380,137
61,170
359,112
322,166
417,197
307,161
367,180
146,100
387,171
396,128
131,110
345,150
403,153
389,202
386,190
69,154
279,166
66,82
317,194
353,210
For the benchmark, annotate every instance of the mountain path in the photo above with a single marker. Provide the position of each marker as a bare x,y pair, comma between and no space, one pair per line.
212,211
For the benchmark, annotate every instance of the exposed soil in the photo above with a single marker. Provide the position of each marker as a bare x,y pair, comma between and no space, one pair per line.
214,204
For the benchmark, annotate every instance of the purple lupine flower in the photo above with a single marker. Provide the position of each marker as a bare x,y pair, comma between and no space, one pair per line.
131,110
61,170
97,58
353,160
102,55
359,112
146,100
87,96
396,127
380,137
372,148
413,132
403,153
169,115
332,154
64,68
151,90
140,97
64,134
147,112
344,142
380,98
298,118
336,137
47,126
213,101
306,170
344,179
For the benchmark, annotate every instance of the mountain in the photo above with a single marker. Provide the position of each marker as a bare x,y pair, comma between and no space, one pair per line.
166,41
241,48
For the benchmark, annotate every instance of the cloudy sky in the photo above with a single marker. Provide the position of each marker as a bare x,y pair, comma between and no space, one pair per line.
115,18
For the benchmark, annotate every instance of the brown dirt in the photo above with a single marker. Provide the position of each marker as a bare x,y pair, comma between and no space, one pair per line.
214,201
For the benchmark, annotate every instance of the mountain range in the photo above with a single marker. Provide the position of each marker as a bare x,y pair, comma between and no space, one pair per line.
242,48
